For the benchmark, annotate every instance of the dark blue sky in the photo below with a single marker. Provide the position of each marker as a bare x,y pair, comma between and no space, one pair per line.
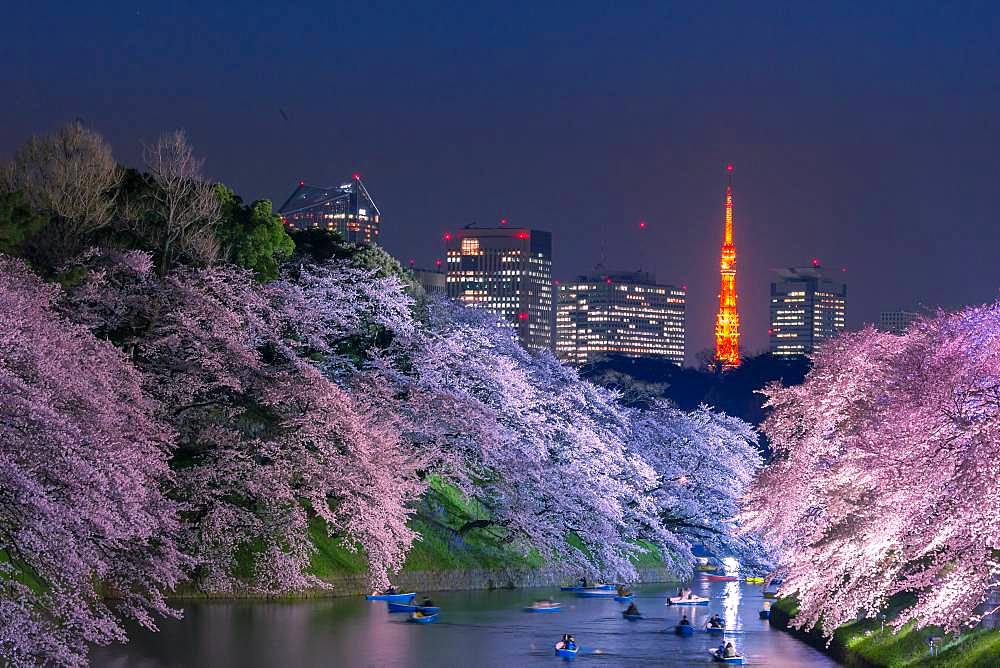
865,134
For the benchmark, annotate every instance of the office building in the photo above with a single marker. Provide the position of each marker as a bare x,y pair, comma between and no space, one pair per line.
807,307
347,208
895,322
433,281
623,313
508,271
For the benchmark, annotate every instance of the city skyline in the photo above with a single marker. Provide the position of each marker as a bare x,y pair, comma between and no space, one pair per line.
878,178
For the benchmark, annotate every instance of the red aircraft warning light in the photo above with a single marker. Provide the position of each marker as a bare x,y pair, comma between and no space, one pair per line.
503,221
447,236
523,235
815,261
642,224
357,177
522,316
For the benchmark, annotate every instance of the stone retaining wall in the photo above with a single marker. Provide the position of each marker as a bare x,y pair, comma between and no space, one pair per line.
429,581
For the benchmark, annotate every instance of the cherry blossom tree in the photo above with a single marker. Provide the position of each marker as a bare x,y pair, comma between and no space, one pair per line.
550,456
885,479
705,462
265,440
86,536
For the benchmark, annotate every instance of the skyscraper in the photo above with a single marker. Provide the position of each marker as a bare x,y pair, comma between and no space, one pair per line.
895,322
508,271
625,313
347,208
727,322
807,307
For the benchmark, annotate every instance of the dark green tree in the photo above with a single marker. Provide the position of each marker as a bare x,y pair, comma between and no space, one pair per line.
18,222
252,236
319,245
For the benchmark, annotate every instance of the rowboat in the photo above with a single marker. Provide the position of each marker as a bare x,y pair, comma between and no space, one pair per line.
566,653
423,619
706,567
755,580
603,587
722,578
596,593
403,607
624,599
684,630
555,607
735,660
399,598
718,630
683,600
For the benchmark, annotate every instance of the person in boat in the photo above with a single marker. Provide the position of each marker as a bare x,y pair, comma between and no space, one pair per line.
721,649
729,651
684,621
582,582
543,603
390,591
567,642
716,622
680,593
427,603
631,609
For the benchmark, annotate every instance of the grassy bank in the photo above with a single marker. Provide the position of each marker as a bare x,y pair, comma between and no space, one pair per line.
445,544
866,644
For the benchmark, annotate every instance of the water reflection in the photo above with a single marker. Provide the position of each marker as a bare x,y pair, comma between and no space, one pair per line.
476,629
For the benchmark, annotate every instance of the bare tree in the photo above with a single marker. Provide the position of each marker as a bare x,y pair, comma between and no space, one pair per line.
182,208
69,176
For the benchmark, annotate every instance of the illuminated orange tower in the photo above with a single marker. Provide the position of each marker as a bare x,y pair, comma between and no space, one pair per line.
727,322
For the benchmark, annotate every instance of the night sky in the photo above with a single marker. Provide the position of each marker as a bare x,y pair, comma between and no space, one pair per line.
864,135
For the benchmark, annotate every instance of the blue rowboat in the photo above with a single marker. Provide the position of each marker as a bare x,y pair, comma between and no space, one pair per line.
696,600
425,619
403,607
596,586
547,608
596,593
684,630
734,660
765,614
624,599
567,653
632,618
718,630
399,598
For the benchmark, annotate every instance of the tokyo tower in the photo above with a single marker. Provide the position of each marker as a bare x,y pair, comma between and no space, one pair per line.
727,322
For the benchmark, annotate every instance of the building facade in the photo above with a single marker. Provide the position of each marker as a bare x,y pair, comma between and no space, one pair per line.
807,307
624,313
347,208
433,281
895,322
507,271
